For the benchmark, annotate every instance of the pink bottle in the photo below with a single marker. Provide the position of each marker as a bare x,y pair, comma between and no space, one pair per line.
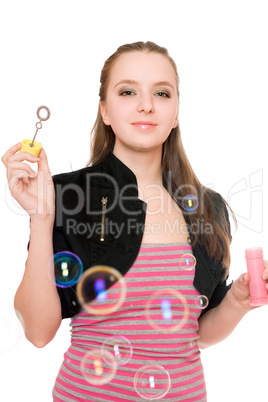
255,268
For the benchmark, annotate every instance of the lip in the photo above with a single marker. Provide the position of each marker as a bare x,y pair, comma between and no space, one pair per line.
144,124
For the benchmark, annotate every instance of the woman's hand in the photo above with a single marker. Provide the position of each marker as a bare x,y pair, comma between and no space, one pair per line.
34,192
240,289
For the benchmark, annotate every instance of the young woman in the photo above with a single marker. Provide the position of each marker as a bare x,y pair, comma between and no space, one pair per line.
138,208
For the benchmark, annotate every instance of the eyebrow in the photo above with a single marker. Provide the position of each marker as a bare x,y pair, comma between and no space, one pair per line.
160,83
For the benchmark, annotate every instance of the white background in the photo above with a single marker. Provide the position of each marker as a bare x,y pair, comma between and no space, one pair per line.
51,54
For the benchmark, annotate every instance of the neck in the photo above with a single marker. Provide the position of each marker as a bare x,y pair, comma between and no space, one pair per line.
145,165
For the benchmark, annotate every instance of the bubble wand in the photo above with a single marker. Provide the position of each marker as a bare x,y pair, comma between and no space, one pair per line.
32,146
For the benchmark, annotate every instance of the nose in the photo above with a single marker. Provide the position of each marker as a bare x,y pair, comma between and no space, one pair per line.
145,104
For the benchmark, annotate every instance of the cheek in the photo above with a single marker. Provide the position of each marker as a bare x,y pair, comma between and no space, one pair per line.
168,109
171,116
120,110
118,115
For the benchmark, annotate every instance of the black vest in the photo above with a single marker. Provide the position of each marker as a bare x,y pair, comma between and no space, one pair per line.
82,198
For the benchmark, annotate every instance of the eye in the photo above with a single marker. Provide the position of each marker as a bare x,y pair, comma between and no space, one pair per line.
163,94
127,92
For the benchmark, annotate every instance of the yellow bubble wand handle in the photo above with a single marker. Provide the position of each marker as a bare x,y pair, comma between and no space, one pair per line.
32,146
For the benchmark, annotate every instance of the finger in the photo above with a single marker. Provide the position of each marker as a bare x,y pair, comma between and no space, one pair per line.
14,162
15,183
11,151
19,174
43,162
244,284
19,166
265,272
243,280
26,180
22,156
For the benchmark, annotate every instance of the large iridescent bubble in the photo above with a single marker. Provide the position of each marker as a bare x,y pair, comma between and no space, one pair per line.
167,310
101,290
98,367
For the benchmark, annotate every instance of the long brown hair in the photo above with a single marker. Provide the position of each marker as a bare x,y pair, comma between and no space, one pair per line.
210,219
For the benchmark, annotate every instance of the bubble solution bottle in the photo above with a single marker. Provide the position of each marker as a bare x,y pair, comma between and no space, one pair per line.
255,268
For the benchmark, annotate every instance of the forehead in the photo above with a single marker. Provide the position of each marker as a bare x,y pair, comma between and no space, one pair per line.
142,67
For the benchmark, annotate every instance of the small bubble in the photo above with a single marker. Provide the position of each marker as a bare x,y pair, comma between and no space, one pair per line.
152,382
65,269
202,302
187,262
190,202
120,347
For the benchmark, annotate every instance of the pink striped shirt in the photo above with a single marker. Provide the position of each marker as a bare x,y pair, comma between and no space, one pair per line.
151,338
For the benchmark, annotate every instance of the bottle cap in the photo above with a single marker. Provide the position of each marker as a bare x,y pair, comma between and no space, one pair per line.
255,252
34,150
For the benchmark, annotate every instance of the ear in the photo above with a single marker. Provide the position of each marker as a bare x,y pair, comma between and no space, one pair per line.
104,113
176,120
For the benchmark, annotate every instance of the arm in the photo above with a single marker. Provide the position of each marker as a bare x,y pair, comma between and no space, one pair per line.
219,322
36,298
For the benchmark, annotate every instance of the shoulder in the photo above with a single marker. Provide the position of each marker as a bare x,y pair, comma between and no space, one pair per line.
75,176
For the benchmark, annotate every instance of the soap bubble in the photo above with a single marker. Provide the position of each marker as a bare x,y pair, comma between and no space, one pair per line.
190,202
167,310
98,367
152,382
187,262
67,269
20,317
12,331
120,347
202,302
101,290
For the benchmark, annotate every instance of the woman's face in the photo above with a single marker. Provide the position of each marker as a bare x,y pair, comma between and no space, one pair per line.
142,101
